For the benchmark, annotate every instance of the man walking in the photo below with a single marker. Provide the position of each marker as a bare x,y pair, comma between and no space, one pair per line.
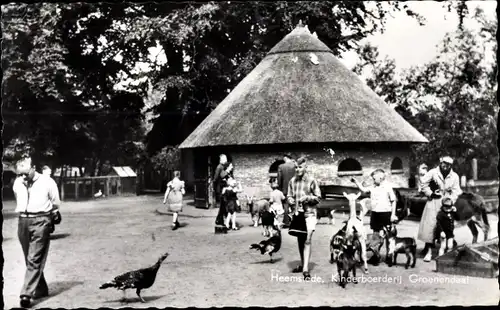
303,196
37,198
286,171
222,171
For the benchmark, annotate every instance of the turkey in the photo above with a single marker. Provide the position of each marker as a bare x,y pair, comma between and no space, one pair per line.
271,245
138,279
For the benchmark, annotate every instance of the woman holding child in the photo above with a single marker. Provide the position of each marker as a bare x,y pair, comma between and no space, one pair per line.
436,184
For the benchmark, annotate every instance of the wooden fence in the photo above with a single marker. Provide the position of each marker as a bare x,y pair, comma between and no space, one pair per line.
86,187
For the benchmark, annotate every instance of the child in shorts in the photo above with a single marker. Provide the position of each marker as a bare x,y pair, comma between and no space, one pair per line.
276,204
383,202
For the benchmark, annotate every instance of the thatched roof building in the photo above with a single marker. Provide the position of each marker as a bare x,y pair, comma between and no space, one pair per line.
300,82
300,98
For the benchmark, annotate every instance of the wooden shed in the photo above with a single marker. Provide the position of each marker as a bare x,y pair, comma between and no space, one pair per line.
126,183
300,99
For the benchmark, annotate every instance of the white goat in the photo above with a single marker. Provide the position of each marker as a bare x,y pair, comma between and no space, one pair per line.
355,229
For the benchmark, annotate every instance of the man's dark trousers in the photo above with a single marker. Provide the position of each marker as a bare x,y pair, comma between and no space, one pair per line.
34,236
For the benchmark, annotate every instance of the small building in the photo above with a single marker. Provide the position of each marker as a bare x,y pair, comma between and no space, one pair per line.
302,100
126,183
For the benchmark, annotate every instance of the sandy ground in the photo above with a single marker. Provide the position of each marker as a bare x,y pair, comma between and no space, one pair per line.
100,239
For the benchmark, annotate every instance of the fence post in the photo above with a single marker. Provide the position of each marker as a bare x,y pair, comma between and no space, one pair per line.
92,184
62,188
119,187
474,169
76,188
108,186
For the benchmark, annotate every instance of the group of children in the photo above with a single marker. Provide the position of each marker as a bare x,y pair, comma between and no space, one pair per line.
383,201
176,190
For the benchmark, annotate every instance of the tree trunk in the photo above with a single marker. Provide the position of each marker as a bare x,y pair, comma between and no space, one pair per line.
99,170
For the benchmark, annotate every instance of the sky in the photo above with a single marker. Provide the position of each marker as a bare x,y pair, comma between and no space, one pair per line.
403,40
410,44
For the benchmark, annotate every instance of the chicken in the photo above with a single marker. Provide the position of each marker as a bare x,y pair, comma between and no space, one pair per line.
138,279
271,245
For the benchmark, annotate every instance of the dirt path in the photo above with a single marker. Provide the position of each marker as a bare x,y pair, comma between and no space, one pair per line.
101,239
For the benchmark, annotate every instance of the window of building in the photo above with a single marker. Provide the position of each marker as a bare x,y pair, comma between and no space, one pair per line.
349,166
397,166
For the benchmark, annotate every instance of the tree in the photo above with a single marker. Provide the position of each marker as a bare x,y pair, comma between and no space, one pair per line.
58,86
62,62
211,46
451,100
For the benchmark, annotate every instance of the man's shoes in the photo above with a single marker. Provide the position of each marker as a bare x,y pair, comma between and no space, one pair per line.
297,269
307,275
25,302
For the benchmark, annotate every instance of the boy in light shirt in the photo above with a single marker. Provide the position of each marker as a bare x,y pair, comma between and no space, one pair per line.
383,202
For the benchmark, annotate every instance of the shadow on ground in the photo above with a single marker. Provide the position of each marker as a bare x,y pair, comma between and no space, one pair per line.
268,261
131,300
59,236
296,263
57,288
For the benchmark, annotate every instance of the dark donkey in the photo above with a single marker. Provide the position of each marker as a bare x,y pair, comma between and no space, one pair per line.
471,209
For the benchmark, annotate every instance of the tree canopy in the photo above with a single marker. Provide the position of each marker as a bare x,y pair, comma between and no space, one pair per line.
62,63
451,100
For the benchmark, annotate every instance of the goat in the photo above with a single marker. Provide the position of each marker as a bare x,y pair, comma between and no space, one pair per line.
347,263
339,237
336,242
354,226
396,245
260,212
325,212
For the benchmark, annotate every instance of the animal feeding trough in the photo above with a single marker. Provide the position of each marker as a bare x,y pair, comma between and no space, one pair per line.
474,260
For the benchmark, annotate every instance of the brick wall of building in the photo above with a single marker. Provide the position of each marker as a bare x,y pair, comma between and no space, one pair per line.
252,168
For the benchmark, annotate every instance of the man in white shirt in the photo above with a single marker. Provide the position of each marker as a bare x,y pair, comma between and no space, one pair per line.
37,198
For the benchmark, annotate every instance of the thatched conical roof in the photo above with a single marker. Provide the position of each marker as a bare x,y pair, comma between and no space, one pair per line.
300,92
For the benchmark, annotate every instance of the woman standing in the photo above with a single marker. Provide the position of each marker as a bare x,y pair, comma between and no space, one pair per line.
173,195
436,184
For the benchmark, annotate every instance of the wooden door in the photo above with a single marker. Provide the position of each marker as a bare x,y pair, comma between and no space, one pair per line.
203,188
